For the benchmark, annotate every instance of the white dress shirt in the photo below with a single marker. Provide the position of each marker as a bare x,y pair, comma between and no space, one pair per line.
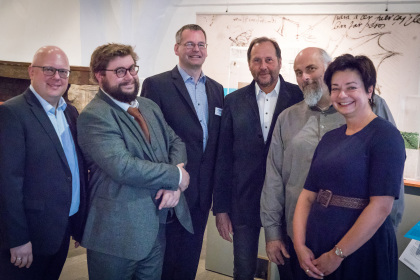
266,105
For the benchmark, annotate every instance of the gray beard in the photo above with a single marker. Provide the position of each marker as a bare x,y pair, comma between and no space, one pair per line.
312,96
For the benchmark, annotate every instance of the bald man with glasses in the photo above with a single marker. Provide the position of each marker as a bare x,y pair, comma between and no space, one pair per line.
42,176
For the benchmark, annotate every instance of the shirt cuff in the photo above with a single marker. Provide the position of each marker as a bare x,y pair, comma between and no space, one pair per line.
273,233
180,175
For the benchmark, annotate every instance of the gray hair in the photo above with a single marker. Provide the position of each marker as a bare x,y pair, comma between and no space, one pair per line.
326,58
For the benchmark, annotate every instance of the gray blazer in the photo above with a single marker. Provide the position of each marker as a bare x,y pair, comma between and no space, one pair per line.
126,171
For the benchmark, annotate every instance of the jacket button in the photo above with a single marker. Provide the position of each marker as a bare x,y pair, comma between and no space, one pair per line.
68,179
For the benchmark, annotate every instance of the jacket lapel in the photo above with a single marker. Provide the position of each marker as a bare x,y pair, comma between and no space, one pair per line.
281,104
43,119
252,101
130,123
211,108
151,125
182,89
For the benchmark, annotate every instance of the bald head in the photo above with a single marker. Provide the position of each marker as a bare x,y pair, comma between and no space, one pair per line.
46,51
310,65
315,53
45,78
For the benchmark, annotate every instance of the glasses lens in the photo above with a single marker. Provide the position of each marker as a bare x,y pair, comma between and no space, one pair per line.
49,71
120,72
63,73
202,45
134,69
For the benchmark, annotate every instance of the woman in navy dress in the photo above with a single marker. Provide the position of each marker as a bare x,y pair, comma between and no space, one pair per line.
341,224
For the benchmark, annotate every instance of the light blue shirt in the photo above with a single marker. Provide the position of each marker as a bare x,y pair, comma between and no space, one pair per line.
59,122
198,96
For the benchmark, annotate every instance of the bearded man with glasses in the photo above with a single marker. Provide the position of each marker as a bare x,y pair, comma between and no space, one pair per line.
42,176
137,174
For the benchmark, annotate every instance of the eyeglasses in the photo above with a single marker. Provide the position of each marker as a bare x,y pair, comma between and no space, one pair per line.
191,45
50,71
121,71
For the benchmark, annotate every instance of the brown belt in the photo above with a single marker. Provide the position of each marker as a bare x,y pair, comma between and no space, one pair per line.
326,198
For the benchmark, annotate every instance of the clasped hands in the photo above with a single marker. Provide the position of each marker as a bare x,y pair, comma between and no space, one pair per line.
326,264
170,198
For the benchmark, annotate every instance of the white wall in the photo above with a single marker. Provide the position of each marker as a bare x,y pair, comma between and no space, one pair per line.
79,26
26,25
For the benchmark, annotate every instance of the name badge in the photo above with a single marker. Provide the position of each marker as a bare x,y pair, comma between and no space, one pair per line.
218,111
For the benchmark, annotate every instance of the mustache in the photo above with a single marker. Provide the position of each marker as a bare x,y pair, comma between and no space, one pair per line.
264,72
127,83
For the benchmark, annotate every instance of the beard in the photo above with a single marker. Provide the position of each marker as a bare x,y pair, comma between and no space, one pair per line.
312,93
267,83
117,92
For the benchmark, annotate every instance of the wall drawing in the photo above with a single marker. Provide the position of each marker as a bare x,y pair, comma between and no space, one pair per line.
392,41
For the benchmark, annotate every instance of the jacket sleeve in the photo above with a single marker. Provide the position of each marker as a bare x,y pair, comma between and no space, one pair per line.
13,224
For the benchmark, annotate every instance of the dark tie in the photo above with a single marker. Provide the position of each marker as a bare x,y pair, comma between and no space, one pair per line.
140,120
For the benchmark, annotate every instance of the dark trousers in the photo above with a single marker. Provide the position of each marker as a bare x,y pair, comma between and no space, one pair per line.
44,267
183,248
108,267
245,251
291,267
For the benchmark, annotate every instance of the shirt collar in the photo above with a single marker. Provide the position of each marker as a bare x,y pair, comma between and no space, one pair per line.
123,105
186,77
330,109
62,105
275,91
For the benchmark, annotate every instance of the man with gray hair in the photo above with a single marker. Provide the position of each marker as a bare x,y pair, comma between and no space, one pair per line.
296,135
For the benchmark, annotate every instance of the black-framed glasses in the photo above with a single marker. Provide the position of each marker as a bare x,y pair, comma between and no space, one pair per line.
50,71
121,71
191,45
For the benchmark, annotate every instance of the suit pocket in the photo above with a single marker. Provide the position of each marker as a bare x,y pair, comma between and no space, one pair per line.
34,205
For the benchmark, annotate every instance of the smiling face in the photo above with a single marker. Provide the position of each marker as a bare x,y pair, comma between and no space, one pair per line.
348,94
191,58
123,89
265,66
50,88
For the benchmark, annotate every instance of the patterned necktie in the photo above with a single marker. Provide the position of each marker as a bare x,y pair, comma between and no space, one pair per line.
140,120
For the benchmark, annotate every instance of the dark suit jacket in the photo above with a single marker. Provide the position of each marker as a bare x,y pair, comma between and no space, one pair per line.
242,153
35,179
168,90
126,173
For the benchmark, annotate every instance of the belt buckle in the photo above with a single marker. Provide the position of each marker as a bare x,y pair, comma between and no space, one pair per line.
324,197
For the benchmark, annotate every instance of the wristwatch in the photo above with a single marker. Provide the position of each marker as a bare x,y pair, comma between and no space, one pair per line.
339,252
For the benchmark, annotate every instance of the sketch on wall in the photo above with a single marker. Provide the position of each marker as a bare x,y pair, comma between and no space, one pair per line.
391,41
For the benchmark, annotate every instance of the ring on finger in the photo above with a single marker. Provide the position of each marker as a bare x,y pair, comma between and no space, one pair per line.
306,271
18,259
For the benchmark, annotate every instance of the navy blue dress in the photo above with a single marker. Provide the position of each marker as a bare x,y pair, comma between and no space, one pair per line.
367,163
